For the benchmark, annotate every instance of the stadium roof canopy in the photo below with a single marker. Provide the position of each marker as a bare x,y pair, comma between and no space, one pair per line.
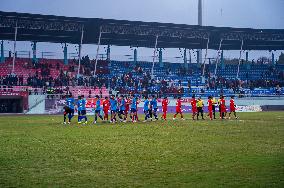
59,29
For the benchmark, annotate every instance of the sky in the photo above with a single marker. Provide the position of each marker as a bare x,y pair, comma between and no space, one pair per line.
265,14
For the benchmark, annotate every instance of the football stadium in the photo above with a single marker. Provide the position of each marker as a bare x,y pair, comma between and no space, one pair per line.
106,98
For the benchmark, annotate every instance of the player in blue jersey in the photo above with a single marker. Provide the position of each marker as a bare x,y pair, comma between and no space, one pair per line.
69,109
154,105
146,108
98,109
122,107
113,108
81,104
133,109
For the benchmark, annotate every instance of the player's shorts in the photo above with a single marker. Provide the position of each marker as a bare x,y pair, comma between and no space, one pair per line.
97,111
66,110
199,109
178,111
220,109
232,109
155,110
79,112
105,111
210,109
213,108
83,112
194,110
113,111
133,110
164,109
71,111
121,111
146,111
223,109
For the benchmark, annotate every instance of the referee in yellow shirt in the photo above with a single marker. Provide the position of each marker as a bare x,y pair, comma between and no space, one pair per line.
214,102
200,105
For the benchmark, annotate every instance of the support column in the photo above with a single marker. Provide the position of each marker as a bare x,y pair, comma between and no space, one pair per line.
154,56
108,52
2,52
247,61
185,59
135,56
273,58
98,49
15,43
80,51
238,72
222,60
34,52
161,63
197,58
65,52
190,58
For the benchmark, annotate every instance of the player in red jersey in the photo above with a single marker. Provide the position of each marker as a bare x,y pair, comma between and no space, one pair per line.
210,107
165,104
127,106
194,107
106,106
178,109
223,107
232,108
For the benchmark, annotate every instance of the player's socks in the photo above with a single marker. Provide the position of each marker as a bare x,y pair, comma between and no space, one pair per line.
155,115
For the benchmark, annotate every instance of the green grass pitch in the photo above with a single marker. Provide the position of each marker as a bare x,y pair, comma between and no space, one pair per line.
38,151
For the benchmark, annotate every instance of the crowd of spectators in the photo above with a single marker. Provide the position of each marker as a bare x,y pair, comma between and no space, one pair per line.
127,83
12,80
144,84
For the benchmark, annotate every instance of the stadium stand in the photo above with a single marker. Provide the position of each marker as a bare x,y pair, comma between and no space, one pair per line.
53,76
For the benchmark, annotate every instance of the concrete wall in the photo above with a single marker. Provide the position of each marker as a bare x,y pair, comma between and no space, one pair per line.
36,104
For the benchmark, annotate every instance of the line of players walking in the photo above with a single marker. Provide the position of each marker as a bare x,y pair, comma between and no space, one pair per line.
124,108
